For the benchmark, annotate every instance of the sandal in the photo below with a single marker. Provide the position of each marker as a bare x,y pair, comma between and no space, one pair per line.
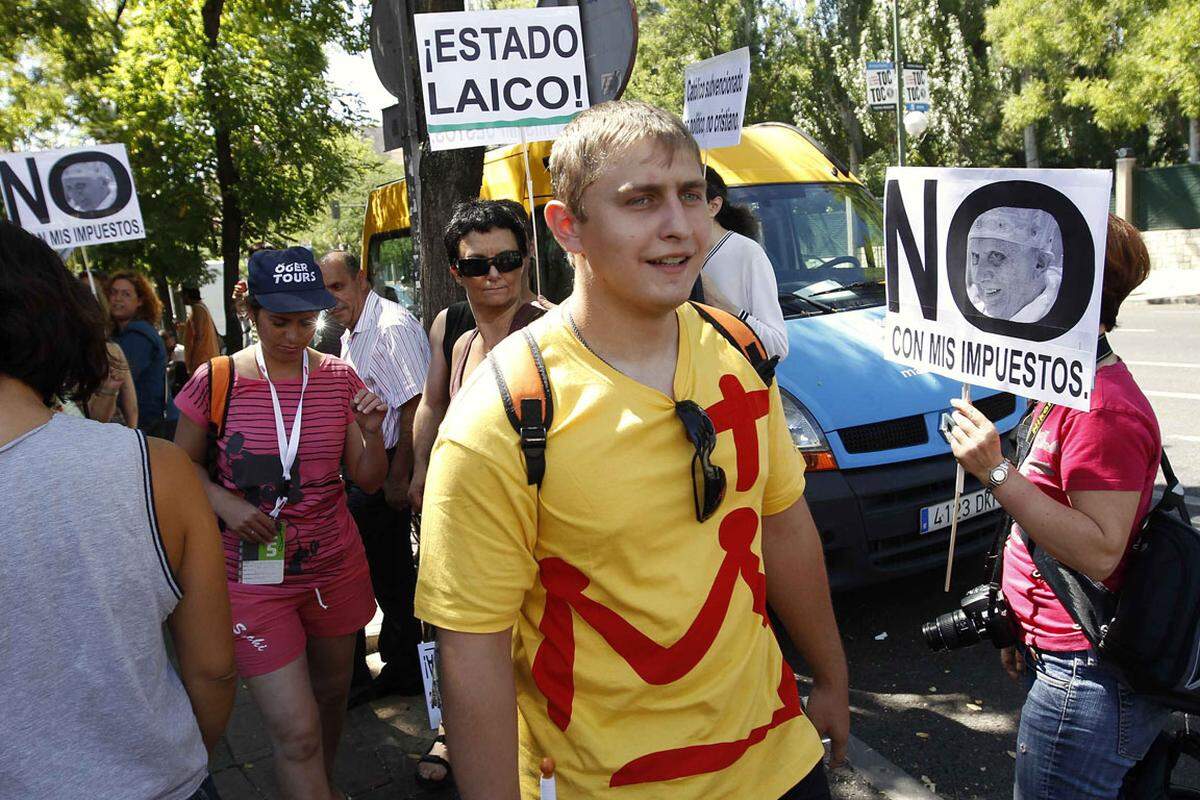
429,758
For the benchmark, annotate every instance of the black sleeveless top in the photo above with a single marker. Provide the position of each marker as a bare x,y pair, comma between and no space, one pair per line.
459,320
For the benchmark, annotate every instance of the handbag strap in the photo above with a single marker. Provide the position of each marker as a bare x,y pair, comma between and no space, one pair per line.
1173,496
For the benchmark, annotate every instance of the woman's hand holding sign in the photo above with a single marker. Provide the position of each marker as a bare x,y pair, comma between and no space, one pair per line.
974,440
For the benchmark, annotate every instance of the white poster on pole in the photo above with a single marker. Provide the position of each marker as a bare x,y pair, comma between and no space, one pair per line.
994,276
714,98
916,88
486,75
73,196
881,85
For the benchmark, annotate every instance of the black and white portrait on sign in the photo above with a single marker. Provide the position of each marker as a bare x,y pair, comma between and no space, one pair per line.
89,185
1014,263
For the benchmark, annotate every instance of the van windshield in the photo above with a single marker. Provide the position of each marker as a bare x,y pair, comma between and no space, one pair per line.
825,241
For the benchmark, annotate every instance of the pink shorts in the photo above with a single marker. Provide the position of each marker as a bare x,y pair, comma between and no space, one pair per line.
272,624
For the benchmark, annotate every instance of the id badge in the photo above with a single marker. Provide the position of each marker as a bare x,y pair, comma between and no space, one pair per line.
262,563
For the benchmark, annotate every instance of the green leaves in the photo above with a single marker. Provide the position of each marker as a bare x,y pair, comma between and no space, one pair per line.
142,72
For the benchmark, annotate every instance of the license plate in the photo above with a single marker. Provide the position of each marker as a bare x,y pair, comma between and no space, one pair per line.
937,516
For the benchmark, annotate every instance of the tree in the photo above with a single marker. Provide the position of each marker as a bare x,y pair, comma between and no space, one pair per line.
807,63
1154,73
1099,74
324,231
231,128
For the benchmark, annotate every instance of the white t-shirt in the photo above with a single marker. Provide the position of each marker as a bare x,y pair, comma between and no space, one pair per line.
743,273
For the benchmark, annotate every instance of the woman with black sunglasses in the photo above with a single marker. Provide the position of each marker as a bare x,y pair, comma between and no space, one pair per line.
492,266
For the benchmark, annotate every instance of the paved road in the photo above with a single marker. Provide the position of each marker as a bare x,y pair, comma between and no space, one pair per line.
949,719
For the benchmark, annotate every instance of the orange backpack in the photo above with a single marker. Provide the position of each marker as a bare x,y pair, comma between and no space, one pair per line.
524,383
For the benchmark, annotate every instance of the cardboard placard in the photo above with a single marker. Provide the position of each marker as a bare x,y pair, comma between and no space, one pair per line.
486,75
714,98
74,196
994,276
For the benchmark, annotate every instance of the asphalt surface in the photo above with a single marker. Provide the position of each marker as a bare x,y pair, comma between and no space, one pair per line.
949,719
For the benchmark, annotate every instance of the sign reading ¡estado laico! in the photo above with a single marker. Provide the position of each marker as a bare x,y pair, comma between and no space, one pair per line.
497,77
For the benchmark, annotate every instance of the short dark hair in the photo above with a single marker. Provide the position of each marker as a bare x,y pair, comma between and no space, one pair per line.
481,216
1126,265
353,265
52,335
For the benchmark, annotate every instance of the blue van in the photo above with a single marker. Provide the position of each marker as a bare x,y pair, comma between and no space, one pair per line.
880,476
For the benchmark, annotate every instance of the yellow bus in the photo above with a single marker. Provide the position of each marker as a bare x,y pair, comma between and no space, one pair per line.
811,208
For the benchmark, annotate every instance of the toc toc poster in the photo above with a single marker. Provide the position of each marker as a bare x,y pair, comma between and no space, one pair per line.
714,98
498,77
73,196
994,276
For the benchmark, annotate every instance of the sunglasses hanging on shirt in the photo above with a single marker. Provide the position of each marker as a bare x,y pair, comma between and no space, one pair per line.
708,479
507,261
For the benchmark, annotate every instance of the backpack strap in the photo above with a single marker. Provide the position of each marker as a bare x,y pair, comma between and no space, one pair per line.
742,337
525,389
220,389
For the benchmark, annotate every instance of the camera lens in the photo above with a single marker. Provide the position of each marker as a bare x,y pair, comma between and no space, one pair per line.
949,631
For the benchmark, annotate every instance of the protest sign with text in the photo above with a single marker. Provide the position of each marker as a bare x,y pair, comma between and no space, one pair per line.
74,196
994,276
714,98
497,77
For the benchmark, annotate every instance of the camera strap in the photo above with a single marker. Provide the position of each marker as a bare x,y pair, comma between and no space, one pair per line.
1090,603
1027,432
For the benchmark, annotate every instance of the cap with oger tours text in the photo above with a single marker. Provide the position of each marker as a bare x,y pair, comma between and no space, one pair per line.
288,280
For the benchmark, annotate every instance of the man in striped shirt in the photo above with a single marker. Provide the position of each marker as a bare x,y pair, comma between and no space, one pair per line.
388,349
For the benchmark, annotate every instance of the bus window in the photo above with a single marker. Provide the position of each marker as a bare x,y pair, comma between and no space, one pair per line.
390,258
558,278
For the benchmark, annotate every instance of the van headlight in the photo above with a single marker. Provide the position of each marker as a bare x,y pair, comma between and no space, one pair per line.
807,435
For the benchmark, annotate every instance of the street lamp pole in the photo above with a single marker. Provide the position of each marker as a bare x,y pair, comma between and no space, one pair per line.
899,65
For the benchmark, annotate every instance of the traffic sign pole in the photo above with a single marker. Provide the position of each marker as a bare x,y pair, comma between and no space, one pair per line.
898,66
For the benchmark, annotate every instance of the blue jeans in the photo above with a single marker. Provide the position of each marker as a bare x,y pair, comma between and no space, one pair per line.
1081,729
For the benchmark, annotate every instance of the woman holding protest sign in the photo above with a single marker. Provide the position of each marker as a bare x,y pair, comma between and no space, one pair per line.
284,421
737,274
1080,496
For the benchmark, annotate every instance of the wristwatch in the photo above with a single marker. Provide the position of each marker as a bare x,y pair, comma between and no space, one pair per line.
998,474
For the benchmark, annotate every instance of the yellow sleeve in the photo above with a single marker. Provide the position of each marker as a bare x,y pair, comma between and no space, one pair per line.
785,467
478,528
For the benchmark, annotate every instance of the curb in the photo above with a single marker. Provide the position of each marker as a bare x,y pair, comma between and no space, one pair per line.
883,774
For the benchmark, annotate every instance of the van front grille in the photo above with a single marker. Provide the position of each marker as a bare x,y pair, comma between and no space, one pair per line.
889,435
998,406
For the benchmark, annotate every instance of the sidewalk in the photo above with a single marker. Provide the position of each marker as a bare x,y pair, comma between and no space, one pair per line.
378,755
1169,286
376,761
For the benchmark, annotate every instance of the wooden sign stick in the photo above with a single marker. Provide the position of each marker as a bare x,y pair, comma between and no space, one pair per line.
537,262
959,477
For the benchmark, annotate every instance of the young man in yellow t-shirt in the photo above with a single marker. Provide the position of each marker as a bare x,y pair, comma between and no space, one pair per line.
615,619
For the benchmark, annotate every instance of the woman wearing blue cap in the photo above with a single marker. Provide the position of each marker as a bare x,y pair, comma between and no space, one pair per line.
298,580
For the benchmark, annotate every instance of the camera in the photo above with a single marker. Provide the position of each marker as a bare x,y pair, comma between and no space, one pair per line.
983,614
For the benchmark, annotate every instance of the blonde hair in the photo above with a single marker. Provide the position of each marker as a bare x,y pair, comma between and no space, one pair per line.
597,134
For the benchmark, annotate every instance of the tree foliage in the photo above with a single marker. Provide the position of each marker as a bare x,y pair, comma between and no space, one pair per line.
1099,74
167,78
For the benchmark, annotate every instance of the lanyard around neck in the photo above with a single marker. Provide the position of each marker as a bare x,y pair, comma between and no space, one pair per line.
289,446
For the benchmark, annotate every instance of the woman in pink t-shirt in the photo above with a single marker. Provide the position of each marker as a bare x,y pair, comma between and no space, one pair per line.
295,417
1080,495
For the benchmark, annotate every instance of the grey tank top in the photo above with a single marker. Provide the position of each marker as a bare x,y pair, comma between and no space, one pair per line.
90,705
